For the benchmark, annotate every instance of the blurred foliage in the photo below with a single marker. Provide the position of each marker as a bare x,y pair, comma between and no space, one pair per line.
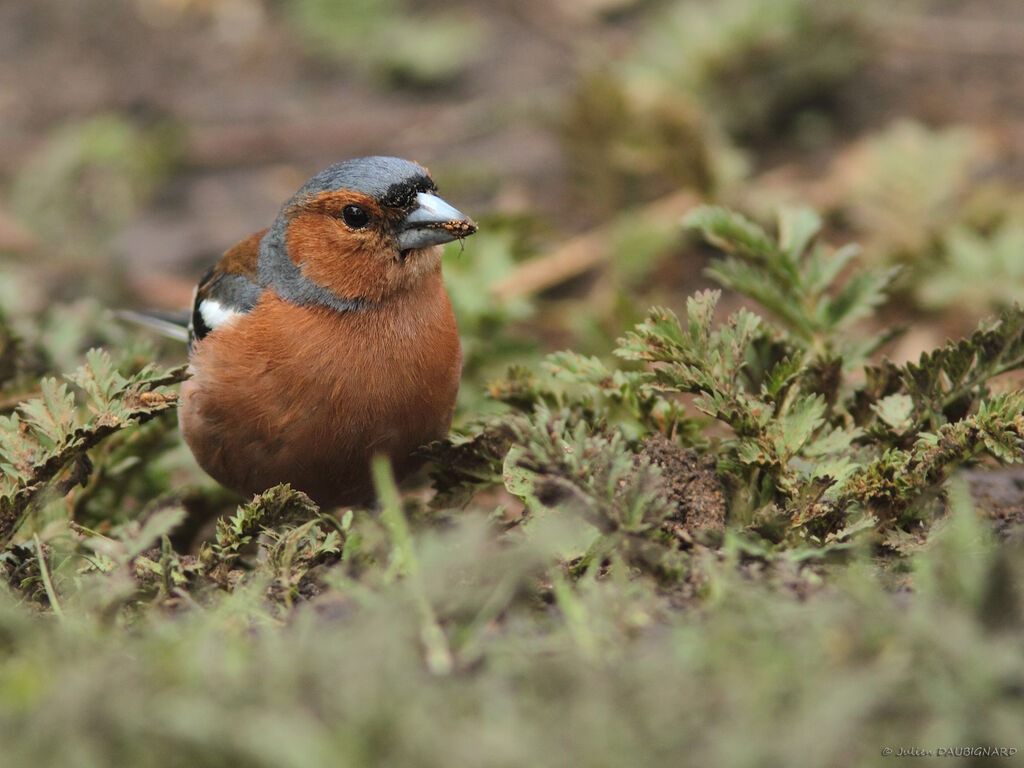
90,177
903,186
45,336
628,141
926,198
47,437
407,46
977,269
700,77
613,674
756,64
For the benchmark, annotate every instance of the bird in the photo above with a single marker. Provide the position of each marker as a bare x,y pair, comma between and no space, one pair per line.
328,338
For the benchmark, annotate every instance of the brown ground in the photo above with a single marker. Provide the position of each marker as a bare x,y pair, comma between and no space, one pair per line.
260,113
694,486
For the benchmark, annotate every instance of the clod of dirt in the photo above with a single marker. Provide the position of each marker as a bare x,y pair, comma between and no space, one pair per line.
692,482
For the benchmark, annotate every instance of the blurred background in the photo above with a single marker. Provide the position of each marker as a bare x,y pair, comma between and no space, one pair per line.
141,138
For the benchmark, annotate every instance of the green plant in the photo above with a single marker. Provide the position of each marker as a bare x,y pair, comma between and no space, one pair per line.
702,79
903,186
813,449
425,48
756,64
90,176
46,440
912,195
977,269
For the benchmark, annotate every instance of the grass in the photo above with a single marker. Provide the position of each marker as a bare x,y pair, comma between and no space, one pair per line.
813,669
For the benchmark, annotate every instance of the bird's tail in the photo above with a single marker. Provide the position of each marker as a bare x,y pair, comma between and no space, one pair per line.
173,325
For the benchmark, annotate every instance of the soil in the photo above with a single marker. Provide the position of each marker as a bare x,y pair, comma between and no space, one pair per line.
999,495
692,482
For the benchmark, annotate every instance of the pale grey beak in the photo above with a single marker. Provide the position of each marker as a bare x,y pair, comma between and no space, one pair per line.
432,222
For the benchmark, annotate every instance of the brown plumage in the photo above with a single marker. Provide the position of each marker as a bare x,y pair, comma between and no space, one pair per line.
326,340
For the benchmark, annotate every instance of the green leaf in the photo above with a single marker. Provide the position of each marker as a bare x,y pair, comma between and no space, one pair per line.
52,415
799,281
797,229
897,411
861,294
795,427
731,232
52,434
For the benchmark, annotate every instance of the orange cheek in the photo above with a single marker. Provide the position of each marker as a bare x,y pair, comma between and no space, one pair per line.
337,259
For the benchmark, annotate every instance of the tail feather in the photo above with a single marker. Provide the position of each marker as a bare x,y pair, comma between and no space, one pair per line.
174,325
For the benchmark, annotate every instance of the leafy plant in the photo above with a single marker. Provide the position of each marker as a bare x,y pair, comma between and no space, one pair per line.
811,446
755,63
425,48
912,195
47,438
982,270
702,79
293,538
556,565
89,177
628,142
801,281
903,186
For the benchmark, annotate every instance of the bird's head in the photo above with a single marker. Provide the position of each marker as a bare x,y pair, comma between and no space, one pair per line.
359,232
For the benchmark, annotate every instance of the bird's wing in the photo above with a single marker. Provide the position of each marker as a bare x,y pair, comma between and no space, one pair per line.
228,290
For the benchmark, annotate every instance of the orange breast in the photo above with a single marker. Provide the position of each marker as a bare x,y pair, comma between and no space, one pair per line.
307,396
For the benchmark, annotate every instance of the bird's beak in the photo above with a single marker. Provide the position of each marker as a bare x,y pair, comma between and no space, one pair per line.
432,222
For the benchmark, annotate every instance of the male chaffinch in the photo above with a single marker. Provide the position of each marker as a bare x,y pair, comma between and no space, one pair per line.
327,338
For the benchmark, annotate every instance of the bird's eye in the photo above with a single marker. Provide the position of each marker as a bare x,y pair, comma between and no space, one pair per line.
355,217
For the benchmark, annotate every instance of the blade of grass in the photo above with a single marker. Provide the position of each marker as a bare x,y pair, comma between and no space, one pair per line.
51,593
438,653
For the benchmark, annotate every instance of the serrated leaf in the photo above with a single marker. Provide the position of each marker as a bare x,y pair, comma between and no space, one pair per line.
98,378
897,411
51,435
731,232
831,441
576,367
797,229
133,539
823,270
700,309
519,481
957,373
750,452
797,280
750,280
51,416
658,339
836,468
861,294
795,427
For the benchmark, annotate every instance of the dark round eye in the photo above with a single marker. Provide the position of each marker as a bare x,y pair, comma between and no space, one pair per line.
354,216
